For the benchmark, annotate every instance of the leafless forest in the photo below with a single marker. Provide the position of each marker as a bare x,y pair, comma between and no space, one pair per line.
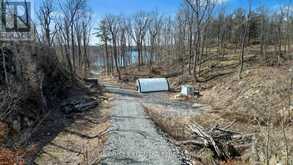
201,33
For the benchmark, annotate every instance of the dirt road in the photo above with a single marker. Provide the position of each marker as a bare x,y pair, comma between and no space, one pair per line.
134,139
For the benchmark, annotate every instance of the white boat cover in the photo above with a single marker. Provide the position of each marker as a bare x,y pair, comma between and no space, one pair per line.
152,85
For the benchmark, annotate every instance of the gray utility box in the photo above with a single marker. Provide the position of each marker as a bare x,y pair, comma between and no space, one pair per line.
187,90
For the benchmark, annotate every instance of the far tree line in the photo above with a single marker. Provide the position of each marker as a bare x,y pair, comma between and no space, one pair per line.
200,32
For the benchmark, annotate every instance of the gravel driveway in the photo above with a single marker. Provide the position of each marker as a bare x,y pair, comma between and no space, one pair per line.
134,139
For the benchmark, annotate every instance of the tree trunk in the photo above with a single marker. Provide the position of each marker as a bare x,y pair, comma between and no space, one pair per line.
243,42
73,49
115,58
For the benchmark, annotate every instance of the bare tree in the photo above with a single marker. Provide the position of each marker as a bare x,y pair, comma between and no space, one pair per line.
103,34
244,38
137,30
263,32
154,30
45,17
287,16
190,37
86,24
66,25
123,40
202,10
113,26
183,34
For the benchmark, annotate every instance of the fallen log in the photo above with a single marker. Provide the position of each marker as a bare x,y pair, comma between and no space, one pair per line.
86,106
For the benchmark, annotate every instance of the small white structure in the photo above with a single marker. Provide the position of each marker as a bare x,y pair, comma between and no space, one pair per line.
152,85
187,90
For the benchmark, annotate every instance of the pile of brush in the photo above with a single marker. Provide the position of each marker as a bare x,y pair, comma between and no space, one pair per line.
79,104
222,142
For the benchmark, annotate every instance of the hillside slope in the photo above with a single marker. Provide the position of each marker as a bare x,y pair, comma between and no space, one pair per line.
262,89
33,84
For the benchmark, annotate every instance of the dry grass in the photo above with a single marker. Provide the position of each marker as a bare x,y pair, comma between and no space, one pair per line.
11,157
260,89
173,125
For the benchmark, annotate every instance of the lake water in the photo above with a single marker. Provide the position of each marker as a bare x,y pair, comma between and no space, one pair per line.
132,54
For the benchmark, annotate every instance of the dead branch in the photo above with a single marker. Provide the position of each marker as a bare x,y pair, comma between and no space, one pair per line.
184,142
224,143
